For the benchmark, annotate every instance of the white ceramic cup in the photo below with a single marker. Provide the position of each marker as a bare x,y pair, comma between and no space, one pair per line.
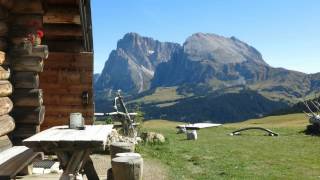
76,120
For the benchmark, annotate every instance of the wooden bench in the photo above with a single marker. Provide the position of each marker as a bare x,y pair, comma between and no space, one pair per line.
14,159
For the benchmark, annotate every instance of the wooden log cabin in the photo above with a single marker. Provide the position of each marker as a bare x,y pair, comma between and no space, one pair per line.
40,86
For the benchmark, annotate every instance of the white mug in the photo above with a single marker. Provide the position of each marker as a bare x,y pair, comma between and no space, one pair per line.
76,121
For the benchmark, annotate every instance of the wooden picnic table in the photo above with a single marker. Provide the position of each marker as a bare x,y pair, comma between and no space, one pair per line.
72,146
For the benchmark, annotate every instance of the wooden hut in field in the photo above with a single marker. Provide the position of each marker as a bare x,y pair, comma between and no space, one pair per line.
43,82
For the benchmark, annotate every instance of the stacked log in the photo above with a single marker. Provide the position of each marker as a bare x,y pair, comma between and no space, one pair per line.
26,62
7,123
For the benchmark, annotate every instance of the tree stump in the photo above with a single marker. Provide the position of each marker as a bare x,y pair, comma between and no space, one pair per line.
120,147
192,135
128,154
127,168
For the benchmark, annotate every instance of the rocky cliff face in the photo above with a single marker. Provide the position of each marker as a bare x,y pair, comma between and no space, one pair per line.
131,66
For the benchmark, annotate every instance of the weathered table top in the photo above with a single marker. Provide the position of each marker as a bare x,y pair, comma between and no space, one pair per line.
63,138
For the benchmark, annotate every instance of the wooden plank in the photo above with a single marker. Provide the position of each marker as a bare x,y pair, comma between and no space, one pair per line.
31,51
3,44
4,73
27,97
5,88
93,136
25,130
27,64
65,88
29,115
6,105
64,45
3,28
23,21
62,15
54,99
66,76
62,31
5,143
28,80
7,125
65,110
70,61
63,2
14,160
58,120
27,7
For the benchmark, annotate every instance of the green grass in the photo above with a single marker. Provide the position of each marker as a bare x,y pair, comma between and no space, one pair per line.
216,155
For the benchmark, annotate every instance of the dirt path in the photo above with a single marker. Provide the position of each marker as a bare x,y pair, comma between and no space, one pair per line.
152,170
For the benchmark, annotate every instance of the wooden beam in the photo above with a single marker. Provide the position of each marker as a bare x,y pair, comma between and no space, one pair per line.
4,73
5,88
6,105
63,2
3,29
25,21
66,76
27,97
7,124
28,115
62,15
71,46
69,61
28,64
27,7
29,80
62,31
25,130
31,51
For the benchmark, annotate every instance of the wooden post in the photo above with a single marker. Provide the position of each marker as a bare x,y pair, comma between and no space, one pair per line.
127,168
120,147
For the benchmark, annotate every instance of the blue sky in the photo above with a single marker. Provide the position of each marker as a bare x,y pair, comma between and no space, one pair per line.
286,32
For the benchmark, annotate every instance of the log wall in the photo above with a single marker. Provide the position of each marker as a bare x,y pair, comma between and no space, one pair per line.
7,123
68,71
26,62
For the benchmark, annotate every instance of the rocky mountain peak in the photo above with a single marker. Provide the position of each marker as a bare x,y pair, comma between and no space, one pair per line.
220,49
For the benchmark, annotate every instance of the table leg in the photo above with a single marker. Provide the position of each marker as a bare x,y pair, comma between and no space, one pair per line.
74,163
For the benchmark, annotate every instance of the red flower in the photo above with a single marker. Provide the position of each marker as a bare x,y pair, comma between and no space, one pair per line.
40,33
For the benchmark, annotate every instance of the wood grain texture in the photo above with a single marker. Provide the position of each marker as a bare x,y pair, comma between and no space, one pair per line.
62,15
27,7
62,137
27,64
3,28
70,61
58,45
25,130
13,160
28,115
7,124
4,73
28,97
63,2
31,51
6,105
29,80
62,31
5,88
127,168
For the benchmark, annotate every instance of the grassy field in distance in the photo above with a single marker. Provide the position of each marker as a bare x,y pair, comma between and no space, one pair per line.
252,155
